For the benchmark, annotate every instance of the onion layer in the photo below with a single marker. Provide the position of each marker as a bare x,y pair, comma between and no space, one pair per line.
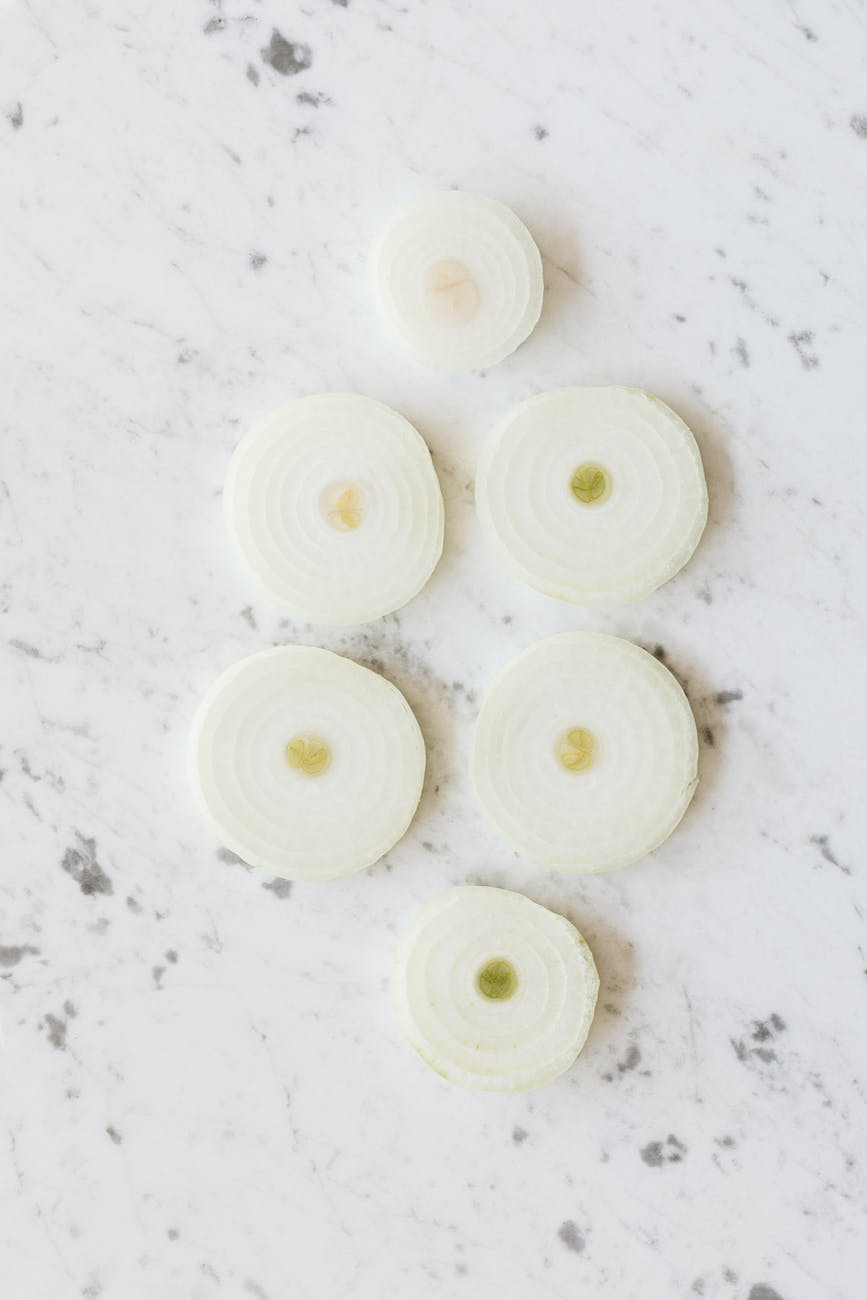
493,991
307,764
458,280
585,752
593,495
336,507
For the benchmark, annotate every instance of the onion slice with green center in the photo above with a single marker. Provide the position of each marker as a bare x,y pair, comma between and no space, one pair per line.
593,495
585,752
493,991
335,505
306,763
458,280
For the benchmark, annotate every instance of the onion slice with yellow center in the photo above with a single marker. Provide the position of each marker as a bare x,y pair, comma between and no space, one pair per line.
306,763
493,991
335,505
585,752
594,495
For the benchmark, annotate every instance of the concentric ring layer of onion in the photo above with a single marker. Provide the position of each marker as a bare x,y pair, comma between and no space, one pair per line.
607,551
508,1045
336,507
309,821
641,771
467,237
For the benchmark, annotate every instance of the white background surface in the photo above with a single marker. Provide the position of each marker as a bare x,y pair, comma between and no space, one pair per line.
203,1089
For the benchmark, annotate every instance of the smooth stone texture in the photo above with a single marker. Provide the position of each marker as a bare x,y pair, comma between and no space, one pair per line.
204,1089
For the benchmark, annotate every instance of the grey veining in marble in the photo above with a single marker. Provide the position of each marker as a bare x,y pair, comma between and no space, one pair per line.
203,1091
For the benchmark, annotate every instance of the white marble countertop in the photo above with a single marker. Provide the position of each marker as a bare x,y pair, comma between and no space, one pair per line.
203,1091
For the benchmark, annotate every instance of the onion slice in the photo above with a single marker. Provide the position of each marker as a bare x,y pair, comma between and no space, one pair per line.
458,280
306,763
493,991
585,752
336,507
593,495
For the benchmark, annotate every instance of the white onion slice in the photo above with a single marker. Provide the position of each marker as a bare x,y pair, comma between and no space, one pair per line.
336,507
307,764
458,280
493,991
593,495
585,753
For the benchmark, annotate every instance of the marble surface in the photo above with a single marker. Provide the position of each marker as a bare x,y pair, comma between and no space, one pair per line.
203,1091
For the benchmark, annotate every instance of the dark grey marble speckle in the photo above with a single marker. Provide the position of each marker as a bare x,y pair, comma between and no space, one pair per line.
217,24
519,1135
823,845
287,57
652,1154
81,863
31,807
113,1134
670,1152
763,1032
25,648
13,954
728,697
744,290
257,261
858,123
16,117
278,887
761,1291
631,1061
230,858
57,1026
252,74
802,342
708,736
570,1236
57,782
740,351
56,1032
540,132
